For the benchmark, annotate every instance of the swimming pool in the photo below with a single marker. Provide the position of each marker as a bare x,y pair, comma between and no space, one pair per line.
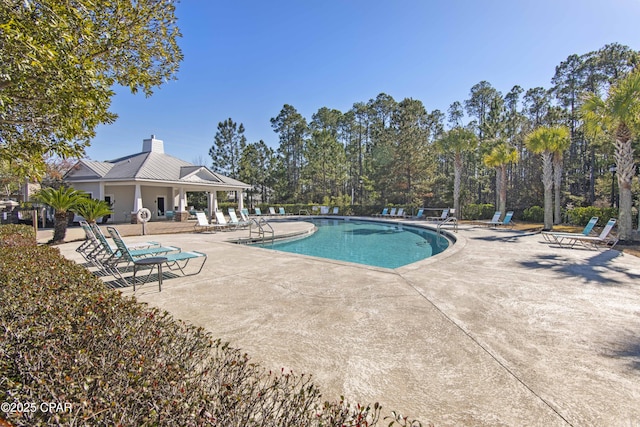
380,244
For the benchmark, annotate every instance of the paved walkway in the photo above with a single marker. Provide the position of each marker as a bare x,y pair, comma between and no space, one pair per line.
502,329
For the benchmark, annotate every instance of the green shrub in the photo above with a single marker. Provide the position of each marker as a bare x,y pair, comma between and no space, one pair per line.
478,211
13,235
66,339
533,214
581,215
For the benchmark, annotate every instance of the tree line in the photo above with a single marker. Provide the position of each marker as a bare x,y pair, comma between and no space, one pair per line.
385,151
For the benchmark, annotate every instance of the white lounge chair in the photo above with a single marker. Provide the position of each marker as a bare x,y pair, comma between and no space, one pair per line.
442,217
221,222
592,242
552,237
493,220
202,223
233,220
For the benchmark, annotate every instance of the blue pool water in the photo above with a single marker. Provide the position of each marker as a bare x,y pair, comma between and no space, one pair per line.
365,242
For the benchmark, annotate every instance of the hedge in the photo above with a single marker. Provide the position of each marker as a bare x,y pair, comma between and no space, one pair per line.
103,359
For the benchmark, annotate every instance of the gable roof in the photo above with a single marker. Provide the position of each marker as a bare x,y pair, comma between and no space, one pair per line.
150,166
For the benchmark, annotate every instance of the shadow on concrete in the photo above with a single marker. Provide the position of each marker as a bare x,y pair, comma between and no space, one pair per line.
629,352
592,269
505,236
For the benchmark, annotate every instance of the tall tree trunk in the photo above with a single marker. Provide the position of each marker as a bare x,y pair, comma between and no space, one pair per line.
502,171
547,181
457,178
626,169
557,184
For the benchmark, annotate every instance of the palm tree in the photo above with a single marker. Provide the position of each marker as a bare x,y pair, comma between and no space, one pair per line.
619,117
500,157
63,200
92,209
550,142
457,141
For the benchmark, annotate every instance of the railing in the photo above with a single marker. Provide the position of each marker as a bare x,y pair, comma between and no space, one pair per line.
452,219
260,228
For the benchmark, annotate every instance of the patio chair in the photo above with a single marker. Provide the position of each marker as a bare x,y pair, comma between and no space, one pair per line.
592,242
552,237
176,261
272,211
392,212
493,220
506,222
233,220
282,212
419,215
221,222
400,213
202,223
442,217
257,211
324,210
384,212
335,211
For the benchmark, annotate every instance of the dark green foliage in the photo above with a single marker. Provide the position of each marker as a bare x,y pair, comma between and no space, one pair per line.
66,339
478,211
581,216
533,214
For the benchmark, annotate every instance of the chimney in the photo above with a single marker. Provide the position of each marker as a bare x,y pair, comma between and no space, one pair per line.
152,145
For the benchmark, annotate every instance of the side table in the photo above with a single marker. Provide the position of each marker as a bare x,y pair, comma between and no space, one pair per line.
152,261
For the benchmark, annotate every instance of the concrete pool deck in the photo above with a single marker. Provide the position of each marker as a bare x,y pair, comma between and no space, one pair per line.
502,329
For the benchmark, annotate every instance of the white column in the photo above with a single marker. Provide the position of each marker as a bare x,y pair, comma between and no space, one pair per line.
215,201
240,200
101,191
210,203
182,200
137,199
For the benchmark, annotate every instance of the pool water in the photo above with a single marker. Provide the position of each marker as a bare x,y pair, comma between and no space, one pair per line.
366,242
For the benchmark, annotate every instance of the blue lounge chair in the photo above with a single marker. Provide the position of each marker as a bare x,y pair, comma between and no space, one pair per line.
384,212
176,261
419,215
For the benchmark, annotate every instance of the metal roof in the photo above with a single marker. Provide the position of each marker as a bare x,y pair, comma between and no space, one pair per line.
152,166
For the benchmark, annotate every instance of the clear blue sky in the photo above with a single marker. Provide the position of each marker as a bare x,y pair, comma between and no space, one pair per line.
245,59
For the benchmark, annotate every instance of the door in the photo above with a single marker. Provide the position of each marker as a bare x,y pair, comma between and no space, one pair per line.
160,205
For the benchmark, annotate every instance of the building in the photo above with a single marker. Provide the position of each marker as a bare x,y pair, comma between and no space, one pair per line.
150,179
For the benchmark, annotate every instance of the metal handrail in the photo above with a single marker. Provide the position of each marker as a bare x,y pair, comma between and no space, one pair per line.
261,231
449,219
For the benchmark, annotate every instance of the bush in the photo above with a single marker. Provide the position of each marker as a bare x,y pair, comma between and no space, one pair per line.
14,235
533,214
66,339
581,215
478,211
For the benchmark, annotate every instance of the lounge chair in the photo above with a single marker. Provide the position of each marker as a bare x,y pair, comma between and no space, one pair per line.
244,213
324,210
552,237
257,211
221,222
202,223
384,212
506,222
335,211
400,213
392,212
272,211
592,242
442,217
233,220
493,220
176,261
282,212
419,215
